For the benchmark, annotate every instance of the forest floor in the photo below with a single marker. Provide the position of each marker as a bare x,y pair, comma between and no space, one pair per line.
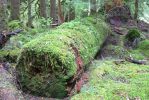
111,76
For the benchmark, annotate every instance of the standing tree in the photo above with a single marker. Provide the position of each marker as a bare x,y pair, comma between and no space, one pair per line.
93,6
42,8
15,9
53,11
30,17
136,10
3,4
60,14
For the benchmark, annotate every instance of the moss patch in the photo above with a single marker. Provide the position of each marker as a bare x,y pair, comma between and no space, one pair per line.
48,62
115,51
114,82
144,47
133,34
9,55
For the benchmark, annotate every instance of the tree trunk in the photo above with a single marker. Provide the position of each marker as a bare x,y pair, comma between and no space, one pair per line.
89,7
42,8
15,9
58,71
30,18
60,14
93,6
136,10
53,10
3,4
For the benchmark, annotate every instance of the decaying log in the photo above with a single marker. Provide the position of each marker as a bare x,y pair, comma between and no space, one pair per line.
51,65
141,62
4,36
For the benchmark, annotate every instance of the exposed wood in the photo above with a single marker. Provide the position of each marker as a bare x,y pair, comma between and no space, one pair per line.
4,36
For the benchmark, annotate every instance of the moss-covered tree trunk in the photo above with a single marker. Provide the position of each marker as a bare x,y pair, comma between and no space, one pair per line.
51,65
136,9
2,15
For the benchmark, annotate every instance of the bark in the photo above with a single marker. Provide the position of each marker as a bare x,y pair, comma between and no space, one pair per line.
5,36
30,18
15,9
53,10
93,6
42,8
60,14
3,4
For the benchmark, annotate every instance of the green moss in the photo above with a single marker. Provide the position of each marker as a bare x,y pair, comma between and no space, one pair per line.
133,34
15,24
115,51
110,81
9,55
144,47
48,62
136,54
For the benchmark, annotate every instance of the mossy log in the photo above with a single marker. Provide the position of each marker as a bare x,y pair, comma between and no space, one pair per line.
48,65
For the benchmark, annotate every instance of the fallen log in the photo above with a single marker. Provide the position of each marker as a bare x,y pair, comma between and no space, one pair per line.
140,62
51,65
5,36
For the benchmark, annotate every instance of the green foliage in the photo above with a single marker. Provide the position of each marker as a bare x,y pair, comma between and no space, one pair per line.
44,23
144,47
15,24
50,59
9,55
133,34
114,51
110,81
136,54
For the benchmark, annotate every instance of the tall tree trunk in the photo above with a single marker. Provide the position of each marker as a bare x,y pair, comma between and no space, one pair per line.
30,18
42,8
60,14
136,10
3,7
93,6
89,7
15,9
53,10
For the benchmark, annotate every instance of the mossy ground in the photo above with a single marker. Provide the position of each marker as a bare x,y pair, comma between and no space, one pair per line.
144,47
109,81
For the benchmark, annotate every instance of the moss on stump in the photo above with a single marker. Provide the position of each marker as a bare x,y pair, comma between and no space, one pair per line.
46,64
